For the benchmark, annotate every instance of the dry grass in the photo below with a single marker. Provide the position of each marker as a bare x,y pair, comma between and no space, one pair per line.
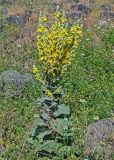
16,10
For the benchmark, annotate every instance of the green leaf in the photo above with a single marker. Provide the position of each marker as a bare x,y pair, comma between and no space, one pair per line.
64,150
42,99
42,135
62,109
50,146
38,122
45,116
53,104
60,125
30,140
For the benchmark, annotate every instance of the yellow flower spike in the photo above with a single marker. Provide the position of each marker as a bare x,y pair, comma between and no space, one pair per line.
56,44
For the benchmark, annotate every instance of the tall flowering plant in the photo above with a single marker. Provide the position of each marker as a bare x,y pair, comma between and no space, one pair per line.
56,48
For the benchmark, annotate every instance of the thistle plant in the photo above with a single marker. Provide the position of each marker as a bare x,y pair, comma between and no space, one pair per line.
57,43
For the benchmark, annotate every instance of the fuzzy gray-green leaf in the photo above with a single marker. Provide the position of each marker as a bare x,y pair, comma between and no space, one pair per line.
50,146
62,109
43,134
60,125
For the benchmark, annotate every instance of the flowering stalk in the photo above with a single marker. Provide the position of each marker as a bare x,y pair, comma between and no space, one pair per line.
56,48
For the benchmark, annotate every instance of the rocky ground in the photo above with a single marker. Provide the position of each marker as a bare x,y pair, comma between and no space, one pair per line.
25,14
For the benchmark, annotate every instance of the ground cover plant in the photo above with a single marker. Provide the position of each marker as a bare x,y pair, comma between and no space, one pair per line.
88,82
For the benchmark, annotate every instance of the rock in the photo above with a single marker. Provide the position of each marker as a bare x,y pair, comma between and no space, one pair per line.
84,9
28,78
106,7
111,15
11,83
9,2
74,15
100,140
108,15
107,11
2,1
18,20
81,8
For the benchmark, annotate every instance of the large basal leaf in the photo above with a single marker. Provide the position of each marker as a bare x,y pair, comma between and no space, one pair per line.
43,99
50,146
42,135
46,116
60,125
62,109
38,122
64,150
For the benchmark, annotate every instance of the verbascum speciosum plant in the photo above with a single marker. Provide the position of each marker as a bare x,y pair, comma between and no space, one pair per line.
57,45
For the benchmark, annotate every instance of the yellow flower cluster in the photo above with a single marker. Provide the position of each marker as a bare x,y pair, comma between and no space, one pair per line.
56,44
35,70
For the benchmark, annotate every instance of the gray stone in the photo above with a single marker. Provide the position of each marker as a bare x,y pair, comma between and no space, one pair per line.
106,7
11,83
81,8
111,15
18,20
107,11
100,140
9,2
84,9
28,78
74,15
2,1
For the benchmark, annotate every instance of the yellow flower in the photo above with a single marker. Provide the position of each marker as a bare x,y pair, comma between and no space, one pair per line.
76,43
79,32
73,29
49,93
57,14
35,70
37,76
63,19
43,19
40,29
